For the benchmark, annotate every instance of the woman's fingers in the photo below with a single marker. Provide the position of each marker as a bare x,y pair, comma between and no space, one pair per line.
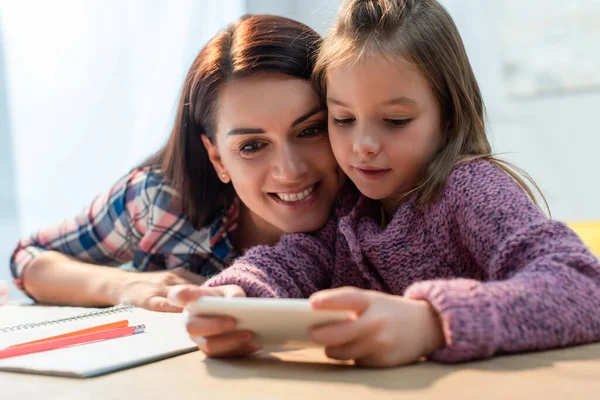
183,294
150,297
160,303
188,276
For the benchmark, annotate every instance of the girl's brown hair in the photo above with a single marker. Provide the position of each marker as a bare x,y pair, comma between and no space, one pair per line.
422,33
255,43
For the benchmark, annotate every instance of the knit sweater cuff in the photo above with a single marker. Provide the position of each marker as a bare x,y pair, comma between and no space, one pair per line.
469,319
253,286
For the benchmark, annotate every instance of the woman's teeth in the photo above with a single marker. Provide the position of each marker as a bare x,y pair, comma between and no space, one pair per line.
296,196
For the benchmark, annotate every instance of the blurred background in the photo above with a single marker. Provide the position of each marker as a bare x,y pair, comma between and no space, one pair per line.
88,89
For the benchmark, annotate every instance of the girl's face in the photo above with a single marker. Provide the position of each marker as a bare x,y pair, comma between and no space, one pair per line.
384,126
271,143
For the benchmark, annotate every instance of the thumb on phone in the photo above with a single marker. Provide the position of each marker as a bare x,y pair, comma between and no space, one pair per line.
182,294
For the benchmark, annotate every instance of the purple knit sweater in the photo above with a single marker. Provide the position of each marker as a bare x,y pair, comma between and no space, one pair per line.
501,275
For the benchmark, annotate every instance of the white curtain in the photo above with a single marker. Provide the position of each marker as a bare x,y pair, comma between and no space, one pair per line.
91,90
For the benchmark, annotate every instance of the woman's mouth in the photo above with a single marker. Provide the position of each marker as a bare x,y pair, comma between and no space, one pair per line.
289,197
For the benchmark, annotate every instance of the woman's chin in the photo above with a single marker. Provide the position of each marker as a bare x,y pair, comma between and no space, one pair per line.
303,226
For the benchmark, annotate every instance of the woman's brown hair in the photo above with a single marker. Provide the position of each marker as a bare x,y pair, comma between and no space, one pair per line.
255,43
422,33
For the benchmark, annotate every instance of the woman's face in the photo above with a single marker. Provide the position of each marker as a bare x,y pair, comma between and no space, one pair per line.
271,143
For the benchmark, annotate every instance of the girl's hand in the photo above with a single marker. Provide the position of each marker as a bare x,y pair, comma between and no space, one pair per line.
388,331
149,289
215,336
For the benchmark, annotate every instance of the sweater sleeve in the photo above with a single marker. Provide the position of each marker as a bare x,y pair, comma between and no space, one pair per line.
294,268
540,285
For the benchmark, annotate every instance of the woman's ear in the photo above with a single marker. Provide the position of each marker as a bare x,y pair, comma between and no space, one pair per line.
215,159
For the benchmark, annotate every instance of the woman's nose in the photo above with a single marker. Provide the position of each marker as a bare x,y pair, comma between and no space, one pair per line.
291,166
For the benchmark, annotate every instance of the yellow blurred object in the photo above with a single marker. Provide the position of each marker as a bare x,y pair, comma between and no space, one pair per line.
589,232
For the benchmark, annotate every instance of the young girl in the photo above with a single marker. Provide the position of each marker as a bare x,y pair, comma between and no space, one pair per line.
248,108
444,254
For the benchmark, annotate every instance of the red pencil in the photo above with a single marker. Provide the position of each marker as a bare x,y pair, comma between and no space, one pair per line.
119,324
70,341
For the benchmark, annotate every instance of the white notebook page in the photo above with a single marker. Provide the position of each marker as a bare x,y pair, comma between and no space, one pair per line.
164,337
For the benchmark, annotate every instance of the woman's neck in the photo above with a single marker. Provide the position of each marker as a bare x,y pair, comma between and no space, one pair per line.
252,231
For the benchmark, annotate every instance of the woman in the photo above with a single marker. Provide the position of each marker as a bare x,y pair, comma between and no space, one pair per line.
247,160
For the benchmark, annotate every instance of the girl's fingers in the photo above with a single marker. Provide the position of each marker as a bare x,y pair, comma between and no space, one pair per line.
244,351
338,333
371,350
351,299
208,326
227,344
355,350
376,360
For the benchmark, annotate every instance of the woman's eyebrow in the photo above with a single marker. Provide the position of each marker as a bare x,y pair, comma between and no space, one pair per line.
253,131
245,131
306,116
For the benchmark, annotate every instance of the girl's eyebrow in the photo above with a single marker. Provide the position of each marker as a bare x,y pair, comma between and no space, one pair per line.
298,121
336,101
403,100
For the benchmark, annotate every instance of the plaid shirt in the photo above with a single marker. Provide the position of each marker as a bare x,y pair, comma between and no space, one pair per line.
138,222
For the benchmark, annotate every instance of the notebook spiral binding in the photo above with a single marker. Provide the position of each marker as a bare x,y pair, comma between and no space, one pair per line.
92,314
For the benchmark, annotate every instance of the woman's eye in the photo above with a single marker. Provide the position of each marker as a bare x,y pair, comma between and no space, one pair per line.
251,148
313,131
342,121
397,123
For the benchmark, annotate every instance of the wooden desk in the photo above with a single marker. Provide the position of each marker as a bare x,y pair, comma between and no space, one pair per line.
572,374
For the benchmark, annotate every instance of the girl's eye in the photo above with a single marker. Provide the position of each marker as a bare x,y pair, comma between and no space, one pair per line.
313,131
342,121
251,148
397,123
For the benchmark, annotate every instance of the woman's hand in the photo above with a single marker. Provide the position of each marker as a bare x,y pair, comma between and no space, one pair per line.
388,331
215,336
149,289
55,278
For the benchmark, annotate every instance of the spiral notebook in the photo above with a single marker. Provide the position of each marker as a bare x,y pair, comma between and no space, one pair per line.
165,337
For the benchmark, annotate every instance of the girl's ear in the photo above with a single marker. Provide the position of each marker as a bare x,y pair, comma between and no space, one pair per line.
215,159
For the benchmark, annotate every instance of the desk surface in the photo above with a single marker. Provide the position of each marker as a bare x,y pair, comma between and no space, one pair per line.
306,374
